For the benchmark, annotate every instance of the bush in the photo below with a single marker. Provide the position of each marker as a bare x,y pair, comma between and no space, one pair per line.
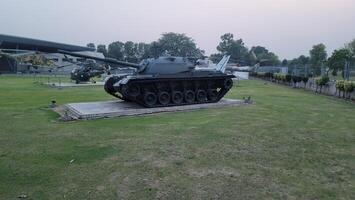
269,75
253,74
339,84
296,79
279,77
349,87
260,74
288,78
263,75
321,81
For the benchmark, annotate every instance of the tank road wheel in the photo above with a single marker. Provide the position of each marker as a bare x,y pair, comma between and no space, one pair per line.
177,97
134,90
201,95
228,83
212,95
150,99
164,98
189,96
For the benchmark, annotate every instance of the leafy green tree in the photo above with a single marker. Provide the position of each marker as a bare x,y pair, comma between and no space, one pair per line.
336,61
176,45
264,56
216,57
260,51
240,54
351,46
142,48
271,59
293,62
284,62
235,48
130,52
101,48
154,50
318,56
91,45
301,60
116,50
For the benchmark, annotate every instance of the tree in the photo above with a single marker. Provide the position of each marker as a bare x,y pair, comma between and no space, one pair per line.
116,50
142,49
154,50
336,61
263,56
259,51
130,51
318,55
176,45
91,45
234,48
239,52
284,62
101,48
216,57
351,46
303,60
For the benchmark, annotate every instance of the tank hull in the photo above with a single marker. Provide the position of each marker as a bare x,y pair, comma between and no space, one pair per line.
170,90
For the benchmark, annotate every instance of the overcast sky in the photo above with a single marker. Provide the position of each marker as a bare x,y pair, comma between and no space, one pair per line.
287,27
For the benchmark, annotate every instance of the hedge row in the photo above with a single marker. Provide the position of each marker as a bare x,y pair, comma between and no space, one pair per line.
346,87
278,77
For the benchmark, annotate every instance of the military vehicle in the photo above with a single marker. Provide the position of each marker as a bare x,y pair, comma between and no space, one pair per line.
87,70
167,81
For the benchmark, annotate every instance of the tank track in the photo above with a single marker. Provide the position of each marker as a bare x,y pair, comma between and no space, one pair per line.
164,92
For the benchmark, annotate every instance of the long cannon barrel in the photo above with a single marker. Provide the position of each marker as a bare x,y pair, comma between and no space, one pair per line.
105,60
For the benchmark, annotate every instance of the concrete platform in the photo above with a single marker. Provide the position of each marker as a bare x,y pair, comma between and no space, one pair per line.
75,85
107,109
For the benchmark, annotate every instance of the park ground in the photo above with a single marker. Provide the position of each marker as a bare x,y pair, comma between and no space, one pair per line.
290,144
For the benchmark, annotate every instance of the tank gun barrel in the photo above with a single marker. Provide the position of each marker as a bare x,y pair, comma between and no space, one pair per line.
105,60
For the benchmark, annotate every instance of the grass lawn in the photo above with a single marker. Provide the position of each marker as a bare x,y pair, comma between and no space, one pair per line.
291,144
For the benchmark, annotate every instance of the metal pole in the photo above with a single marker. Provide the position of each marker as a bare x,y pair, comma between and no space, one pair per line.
347,70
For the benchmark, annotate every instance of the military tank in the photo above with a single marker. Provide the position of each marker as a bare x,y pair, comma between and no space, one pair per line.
168,81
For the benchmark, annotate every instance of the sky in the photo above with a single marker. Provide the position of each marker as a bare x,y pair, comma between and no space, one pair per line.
287,27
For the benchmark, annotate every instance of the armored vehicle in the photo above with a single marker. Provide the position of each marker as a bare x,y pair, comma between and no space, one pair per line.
168,81
86,71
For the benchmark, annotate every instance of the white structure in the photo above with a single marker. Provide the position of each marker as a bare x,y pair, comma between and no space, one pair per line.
241,75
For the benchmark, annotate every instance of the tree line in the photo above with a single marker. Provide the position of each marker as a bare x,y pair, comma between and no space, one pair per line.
177,44
318,59
240,54
173,43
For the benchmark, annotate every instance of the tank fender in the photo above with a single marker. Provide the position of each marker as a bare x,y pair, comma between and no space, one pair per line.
121,82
